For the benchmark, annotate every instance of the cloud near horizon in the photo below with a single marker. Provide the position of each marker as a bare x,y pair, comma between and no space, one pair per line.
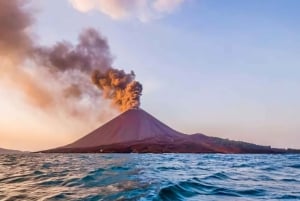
143,10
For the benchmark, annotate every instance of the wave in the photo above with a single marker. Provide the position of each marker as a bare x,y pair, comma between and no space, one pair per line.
218,176
144,177
195,187
297,166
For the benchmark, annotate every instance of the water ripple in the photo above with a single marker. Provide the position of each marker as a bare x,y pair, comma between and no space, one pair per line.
47,177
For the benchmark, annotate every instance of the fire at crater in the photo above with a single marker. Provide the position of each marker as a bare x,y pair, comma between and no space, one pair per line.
120,87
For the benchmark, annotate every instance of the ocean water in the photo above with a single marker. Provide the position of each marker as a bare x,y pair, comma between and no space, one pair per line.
149,177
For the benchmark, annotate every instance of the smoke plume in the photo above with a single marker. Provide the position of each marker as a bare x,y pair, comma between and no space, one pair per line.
14,24
59,77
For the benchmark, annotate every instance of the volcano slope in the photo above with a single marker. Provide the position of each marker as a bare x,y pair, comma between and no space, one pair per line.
136,131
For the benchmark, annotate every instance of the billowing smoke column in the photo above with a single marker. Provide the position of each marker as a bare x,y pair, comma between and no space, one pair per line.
92,56
69,67
120,87
14,21
91,52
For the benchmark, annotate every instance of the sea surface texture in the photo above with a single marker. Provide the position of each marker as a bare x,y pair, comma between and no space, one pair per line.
149,177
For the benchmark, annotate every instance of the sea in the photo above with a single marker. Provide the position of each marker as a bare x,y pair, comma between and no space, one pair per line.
196,177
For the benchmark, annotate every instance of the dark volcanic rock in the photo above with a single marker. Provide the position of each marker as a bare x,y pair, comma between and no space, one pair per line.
136,131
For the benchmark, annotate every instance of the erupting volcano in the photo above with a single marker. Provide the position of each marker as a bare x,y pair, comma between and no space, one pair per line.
136,131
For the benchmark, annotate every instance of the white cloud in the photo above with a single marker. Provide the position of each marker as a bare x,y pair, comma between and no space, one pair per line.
83,6
144,10
166,5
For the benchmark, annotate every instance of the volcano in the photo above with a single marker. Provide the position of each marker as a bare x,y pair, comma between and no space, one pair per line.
136,131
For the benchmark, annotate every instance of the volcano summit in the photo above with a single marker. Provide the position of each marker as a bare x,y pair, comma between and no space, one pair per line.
136,131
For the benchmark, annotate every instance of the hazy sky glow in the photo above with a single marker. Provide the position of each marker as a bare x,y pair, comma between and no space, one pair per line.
229,69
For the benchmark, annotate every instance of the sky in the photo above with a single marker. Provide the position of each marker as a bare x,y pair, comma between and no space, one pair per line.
228,69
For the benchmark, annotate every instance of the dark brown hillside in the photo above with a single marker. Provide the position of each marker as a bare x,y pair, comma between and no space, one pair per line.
136,131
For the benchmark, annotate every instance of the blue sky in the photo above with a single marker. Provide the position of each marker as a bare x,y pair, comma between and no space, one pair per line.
224,68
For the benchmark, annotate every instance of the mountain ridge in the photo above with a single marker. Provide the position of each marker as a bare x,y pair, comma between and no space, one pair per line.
9,151
136,131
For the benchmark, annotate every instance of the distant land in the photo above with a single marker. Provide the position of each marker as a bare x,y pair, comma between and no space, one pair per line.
136,131
9,151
